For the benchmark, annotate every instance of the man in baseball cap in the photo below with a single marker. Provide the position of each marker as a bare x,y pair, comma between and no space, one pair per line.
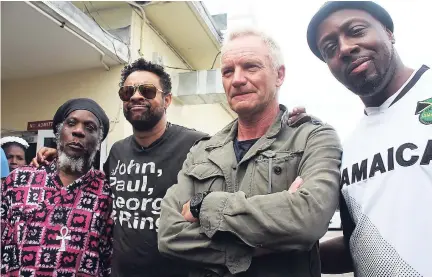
386,171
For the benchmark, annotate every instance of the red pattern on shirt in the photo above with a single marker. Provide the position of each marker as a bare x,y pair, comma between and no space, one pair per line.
34,208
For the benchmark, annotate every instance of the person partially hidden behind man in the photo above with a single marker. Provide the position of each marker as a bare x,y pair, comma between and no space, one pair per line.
15,150
56,219
232,211
4,170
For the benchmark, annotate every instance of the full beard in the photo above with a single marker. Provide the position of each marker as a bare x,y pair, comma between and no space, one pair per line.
147,120
75,165
71,164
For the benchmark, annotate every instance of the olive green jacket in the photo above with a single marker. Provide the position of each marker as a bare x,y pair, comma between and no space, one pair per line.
251,225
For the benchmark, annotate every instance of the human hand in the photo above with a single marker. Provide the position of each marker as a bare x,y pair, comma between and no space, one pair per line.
187,214
44,156
295,185
294,114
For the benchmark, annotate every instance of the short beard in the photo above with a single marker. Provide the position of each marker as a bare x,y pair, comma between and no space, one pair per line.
377,84
148,120
75,165
369,87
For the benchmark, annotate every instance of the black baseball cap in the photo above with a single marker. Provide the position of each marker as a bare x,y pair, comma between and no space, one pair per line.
332,6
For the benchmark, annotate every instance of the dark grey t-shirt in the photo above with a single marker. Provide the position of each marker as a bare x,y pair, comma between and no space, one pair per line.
242,147
140,178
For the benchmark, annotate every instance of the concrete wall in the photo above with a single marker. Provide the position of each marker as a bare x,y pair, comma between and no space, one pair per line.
112,18
208,118
147,41
37,99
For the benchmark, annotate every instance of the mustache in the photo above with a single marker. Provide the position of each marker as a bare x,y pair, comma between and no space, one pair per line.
76,143
145,104
354,62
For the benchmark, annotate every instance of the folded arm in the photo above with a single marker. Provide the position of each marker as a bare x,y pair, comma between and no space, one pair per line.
182,239
283,221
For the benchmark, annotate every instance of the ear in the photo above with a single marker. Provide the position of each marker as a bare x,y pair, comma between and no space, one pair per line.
167,100
280,76
391,36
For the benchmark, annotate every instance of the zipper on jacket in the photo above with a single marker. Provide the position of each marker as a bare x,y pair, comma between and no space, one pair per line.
270,155
269,185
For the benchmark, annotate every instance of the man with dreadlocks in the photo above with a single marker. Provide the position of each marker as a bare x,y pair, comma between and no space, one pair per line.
55,219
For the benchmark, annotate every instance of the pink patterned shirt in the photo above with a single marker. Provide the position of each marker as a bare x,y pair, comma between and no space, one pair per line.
51,230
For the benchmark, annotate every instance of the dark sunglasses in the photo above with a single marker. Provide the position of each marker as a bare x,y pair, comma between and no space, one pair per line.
148,91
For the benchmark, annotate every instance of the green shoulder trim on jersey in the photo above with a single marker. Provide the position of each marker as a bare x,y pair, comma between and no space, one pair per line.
424,110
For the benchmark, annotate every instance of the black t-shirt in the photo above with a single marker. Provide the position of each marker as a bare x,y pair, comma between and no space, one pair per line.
139,178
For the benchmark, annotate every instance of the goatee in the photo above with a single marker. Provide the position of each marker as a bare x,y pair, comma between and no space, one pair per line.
147,121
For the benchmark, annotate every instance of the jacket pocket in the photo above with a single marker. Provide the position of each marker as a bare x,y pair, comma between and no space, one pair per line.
206,177
275,171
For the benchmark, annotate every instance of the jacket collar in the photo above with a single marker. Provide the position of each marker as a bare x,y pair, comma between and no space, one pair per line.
229,132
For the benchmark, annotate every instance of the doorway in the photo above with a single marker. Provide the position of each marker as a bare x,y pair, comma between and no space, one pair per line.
46,138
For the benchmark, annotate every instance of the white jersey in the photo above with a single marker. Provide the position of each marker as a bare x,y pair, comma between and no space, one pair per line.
387,184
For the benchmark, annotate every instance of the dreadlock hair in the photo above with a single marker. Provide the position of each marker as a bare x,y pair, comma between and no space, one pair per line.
143,65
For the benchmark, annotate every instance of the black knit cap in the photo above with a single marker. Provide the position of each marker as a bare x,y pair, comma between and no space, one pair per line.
81,104
332,6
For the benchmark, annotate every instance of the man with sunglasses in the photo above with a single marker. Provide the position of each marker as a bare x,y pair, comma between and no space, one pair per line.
141,168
